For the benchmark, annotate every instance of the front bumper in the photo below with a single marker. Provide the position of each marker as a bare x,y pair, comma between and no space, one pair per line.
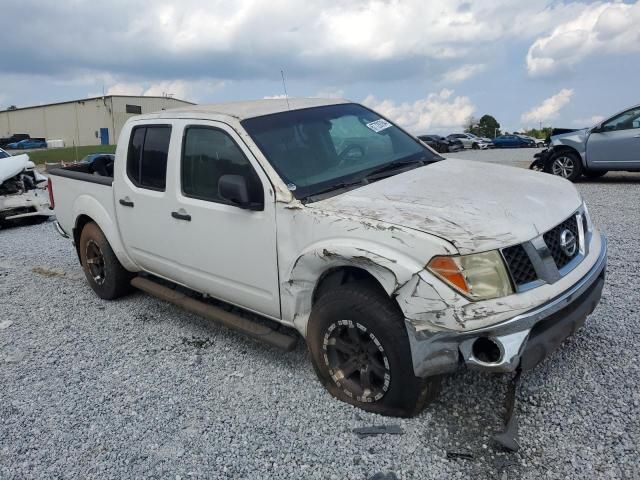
34,203
523,341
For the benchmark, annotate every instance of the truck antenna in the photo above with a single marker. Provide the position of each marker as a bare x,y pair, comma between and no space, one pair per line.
284,86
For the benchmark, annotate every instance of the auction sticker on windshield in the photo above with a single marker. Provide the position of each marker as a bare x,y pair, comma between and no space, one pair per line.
378,125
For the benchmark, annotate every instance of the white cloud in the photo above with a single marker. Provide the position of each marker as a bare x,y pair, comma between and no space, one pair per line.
462,73
609,28
435,112
589,121
549,108
280,96
182,89
330,93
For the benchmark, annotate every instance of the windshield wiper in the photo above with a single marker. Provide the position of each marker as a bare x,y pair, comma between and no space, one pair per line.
386,170
331,188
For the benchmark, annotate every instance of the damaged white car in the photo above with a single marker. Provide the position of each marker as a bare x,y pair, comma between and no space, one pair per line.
23,190
394,264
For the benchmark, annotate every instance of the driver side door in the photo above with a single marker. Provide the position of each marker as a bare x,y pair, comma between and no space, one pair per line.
616,144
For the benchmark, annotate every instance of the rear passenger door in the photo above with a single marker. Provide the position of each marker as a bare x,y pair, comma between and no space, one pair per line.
217,246
143,194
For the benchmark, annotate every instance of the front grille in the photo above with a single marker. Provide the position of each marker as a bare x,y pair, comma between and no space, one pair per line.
520,265
553,240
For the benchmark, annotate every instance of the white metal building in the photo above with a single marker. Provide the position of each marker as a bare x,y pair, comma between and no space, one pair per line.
91,121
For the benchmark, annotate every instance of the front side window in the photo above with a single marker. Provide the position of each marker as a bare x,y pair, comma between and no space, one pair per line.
147,157
208,154
625,121
316,148
3,154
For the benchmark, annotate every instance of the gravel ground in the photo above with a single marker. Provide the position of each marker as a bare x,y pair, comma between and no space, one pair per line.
137,388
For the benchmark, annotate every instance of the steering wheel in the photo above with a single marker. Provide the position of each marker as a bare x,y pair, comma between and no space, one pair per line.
351,152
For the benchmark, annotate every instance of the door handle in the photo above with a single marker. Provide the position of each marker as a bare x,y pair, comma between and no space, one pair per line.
181,216
125,202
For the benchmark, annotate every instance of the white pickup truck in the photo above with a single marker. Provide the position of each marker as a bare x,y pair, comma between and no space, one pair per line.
395,265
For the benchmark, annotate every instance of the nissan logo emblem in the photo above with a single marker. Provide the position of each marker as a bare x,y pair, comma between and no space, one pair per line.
568,243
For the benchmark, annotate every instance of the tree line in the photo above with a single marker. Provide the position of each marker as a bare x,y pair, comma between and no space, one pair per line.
488,126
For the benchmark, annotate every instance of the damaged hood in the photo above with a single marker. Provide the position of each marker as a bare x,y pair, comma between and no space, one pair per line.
12,166
476,206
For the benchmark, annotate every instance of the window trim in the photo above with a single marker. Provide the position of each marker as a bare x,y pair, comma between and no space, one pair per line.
182,163
135,182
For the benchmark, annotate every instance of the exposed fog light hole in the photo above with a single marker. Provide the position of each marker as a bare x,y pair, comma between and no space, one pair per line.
486,350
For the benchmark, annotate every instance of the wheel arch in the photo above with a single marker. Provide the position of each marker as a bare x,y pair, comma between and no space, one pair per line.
87,209
320,268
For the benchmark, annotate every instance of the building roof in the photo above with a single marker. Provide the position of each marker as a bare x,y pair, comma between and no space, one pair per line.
95,98
248,109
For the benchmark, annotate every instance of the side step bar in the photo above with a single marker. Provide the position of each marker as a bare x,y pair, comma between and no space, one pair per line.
228,319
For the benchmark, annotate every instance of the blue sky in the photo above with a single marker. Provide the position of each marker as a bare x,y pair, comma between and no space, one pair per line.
428,64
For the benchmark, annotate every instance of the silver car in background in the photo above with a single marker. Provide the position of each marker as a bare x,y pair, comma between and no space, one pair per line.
611,145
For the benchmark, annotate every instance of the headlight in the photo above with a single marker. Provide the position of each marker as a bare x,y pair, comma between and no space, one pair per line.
479,276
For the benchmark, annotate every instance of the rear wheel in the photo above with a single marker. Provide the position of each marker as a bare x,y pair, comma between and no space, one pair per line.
106,276
566,165
361,353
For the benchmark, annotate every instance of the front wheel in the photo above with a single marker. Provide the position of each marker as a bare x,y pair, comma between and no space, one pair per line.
475,146
106,276
361,353
566,165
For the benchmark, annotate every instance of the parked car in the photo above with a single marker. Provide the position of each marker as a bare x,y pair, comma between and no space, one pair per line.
512,141
469,140
13,139
535,142
100,163
611,145
27,143
22,189
394,265
441,144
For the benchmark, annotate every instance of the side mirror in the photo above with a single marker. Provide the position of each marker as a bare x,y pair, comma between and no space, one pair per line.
234,189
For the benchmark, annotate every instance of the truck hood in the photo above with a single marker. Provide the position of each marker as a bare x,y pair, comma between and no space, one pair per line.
475,206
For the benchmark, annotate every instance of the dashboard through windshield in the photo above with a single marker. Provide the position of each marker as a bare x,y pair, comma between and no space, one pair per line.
315,149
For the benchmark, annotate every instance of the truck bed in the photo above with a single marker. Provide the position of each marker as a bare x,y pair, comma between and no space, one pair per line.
79,191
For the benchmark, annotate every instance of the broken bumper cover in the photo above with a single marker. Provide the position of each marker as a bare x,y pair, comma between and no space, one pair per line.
523,341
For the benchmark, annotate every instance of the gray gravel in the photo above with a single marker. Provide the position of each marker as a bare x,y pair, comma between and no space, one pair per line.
137,388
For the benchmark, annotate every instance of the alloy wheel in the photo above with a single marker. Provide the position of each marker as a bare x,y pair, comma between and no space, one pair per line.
95,262
563,166
356,361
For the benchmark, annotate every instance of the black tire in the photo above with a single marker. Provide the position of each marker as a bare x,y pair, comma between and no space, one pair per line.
106,276
565,164
595,173
475,146
370,316
537,165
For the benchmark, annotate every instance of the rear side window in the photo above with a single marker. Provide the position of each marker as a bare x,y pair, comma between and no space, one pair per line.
207,155
147,158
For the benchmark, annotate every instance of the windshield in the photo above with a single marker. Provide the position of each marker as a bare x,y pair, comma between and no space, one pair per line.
4,154
317,148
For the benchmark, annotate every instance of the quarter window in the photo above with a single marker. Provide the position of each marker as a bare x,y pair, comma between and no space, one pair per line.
208,154
147,157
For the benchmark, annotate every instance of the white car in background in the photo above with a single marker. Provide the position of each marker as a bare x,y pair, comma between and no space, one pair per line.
23,190
469,140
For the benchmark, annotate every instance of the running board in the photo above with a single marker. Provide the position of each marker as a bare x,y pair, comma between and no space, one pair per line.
211,312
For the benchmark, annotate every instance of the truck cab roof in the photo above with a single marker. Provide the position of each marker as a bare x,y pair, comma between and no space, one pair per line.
239,111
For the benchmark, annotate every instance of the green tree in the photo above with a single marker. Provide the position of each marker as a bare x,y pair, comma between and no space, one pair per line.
488,126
